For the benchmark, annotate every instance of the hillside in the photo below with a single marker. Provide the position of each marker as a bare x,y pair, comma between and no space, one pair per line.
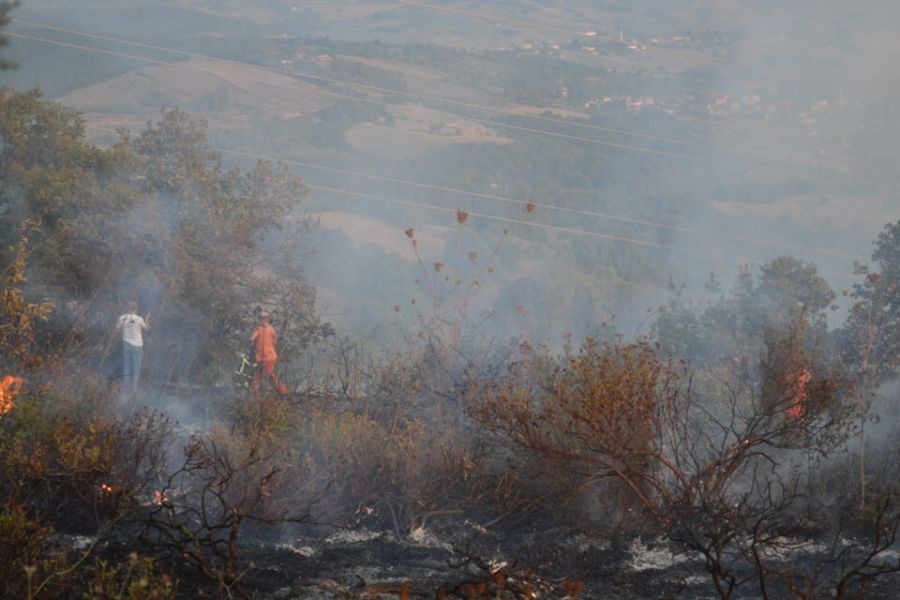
449,300
645,127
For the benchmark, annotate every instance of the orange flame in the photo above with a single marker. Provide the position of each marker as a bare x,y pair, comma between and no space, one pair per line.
798,383
9,388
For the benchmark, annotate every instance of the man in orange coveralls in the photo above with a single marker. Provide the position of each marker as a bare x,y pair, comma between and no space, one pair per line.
264,348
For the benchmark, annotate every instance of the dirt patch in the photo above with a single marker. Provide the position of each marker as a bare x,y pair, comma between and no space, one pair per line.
198,85
404,69
402,142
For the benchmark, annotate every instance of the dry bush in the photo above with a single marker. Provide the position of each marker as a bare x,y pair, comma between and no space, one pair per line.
35,563
18,316
67,460
727,475
27,555
67,457
390,436
402,470
749,483
586,418
232,477
137,579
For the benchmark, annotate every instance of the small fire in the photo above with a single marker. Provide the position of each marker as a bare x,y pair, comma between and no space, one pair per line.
159,497
9,388
798,382
105,487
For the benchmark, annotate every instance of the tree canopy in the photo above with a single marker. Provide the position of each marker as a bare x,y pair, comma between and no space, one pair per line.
5,7
158,218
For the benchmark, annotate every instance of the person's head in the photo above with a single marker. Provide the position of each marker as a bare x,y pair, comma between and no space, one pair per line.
131,307
263,316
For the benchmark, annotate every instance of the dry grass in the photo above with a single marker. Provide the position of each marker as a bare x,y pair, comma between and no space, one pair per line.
190,81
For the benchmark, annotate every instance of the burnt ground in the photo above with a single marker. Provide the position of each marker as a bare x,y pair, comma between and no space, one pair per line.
365,563
459,559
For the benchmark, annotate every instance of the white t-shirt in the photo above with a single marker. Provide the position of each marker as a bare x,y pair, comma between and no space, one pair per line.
131,326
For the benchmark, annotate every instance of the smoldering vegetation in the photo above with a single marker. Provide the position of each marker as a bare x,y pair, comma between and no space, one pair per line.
739,440
737,452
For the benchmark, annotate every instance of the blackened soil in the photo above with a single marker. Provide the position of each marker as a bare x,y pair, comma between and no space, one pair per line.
368,564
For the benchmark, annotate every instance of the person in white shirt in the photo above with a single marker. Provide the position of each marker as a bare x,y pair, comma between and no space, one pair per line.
132,325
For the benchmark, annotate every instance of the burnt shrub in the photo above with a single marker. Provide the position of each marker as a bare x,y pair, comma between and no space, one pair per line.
240,471
67,458
138,578
27,556
588,422
403,472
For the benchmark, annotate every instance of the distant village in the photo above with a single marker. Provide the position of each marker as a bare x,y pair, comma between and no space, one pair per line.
713,104
692,104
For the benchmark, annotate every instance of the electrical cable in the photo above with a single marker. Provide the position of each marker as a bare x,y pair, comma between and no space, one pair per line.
556,228
468,105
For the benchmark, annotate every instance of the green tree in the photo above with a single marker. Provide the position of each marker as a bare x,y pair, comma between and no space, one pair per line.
157,218
786,295
762,338
5,7
870,340
871,336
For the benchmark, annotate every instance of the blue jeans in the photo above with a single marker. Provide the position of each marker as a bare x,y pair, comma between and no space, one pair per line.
132,357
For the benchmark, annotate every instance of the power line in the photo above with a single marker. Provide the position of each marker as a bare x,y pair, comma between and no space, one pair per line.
581,212
555,228
374,88
508,220
563,209
365,100
456,190
368,87
455,211
529,24
382,103
524,203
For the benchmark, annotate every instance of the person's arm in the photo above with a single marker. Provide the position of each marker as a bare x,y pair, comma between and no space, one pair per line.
254,335
119,323
146,322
